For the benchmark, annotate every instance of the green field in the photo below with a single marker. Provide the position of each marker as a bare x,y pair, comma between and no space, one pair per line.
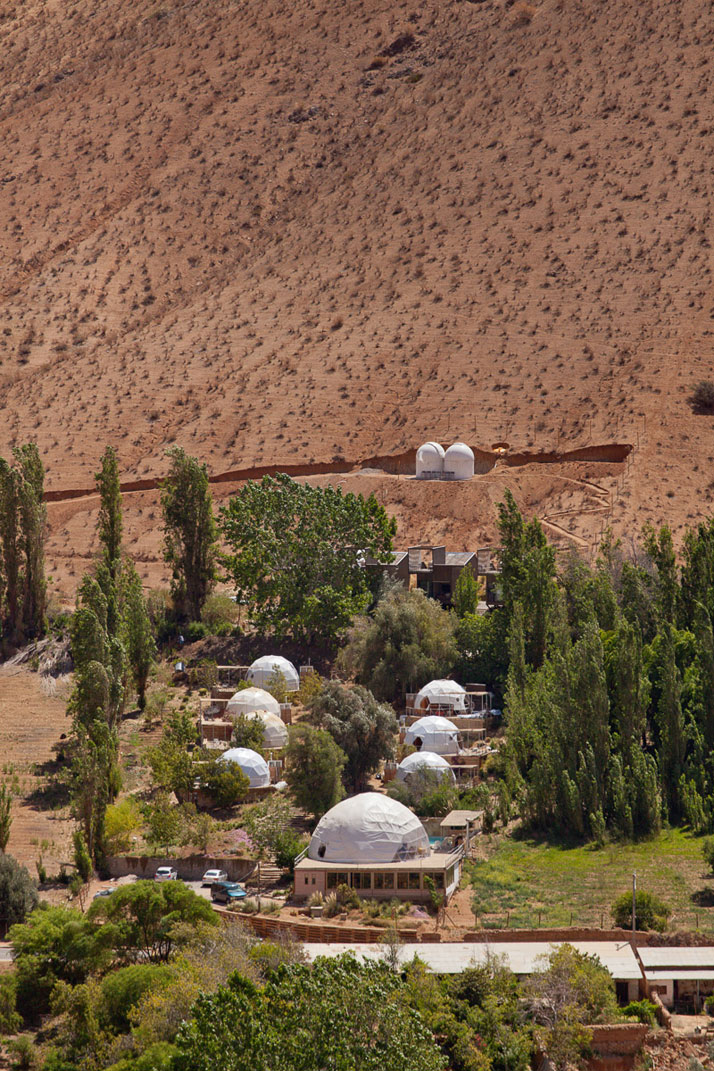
528,883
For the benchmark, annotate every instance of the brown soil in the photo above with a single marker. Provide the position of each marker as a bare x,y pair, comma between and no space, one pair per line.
312,236
31,723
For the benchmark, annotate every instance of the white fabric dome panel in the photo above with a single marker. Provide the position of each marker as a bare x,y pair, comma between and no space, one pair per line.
263,669
420,760
436,734
250,699
446,693
251,763
368,828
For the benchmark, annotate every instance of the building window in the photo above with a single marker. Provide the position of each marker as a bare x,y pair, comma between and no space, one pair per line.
306,879
437,876
343,879
414,882
402,880
450,876
313,881
361,881
384,881
331,880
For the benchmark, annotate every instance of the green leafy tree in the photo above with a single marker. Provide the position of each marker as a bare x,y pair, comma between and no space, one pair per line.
144,919
54,944
527,575
408,640
190,534
165,822
110,523
224,782
295,555
466,592
5,815
248,732
571,992
314,769
121,821
22,535
482,642
138,635
363,728
18,891
651,913
171,762
334,1014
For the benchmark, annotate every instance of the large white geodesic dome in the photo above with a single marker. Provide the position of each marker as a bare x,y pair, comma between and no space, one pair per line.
263,669
423,760
251,763
275,732
250,699
368,828
459,462
443,693
430,460
435,734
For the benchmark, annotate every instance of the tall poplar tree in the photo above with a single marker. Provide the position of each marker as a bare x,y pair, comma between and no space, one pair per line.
110,524
190,533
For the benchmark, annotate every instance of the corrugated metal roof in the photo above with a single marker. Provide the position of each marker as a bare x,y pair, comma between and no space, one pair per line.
672,956
523,957
675,975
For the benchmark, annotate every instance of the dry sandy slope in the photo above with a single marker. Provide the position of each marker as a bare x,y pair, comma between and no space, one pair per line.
219,226
30,723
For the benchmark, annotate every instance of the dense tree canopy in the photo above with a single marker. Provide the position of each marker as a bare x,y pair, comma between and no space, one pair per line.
334,1014
408,640
363,728
314,769
296,554
190,534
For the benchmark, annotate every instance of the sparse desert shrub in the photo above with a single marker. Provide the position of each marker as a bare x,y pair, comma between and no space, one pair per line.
702,397
522,14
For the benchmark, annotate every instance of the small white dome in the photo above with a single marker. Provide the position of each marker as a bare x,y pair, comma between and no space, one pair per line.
459,462
430,460
368,828
263,669
420,760
250,699
444,693
436,734
251,763
275,733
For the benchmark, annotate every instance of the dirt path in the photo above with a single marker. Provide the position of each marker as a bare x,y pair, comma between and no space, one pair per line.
30,723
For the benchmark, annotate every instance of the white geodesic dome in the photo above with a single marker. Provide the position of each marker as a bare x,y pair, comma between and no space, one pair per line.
263,669
368,828
275,733
436,734
250,699
423,760
442,693
430,460
251,763
459,462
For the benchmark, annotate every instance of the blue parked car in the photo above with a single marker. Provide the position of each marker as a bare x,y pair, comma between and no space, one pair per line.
227,892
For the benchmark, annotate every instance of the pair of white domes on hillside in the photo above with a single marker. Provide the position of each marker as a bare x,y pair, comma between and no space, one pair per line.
456,463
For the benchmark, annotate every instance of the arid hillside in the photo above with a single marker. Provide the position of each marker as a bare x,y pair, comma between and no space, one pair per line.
318,234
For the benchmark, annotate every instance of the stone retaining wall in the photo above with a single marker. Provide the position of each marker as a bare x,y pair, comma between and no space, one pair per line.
190,868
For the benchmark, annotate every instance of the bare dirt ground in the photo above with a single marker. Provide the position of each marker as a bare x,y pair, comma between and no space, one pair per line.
31,723
309,234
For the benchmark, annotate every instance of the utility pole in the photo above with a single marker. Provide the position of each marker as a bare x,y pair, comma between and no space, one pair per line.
634,898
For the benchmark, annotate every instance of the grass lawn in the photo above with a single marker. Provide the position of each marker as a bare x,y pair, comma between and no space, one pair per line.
526,882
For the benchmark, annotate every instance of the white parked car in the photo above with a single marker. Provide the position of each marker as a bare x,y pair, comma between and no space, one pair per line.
214,875
166,873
